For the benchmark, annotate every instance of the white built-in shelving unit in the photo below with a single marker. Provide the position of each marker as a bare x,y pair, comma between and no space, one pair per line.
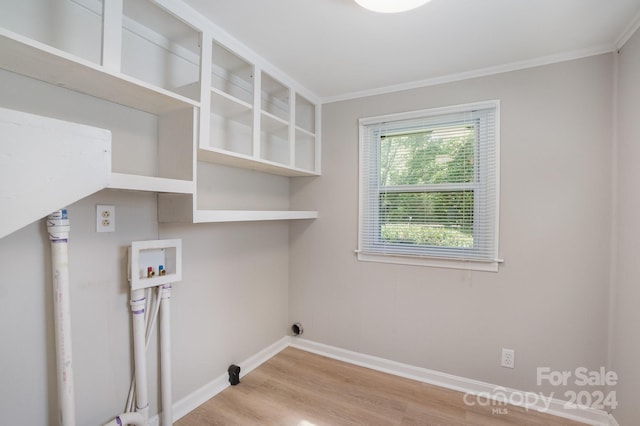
199,102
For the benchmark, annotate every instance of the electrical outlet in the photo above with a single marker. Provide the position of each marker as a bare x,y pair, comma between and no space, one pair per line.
508,358
105,218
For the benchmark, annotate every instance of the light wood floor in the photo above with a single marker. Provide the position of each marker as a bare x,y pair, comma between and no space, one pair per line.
298,388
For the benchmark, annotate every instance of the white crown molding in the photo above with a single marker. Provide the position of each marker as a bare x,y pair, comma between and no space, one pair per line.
628,32
204,24
210,28
483,72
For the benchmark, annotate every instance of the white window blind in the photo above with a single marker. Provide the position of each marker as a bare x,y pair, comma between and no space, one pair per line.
429,184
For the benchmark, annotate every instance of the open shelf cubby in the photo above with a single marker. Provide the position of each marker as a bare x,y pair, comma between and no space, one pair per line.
81,21
171,47
231,74
274,97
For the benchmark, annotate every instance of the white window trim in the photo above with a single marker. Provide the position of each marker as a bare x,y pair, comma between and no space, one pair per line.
436,262
422,260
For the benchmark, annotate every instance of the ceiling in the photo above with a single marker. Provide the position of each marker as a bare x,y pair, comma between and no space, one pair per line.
338,50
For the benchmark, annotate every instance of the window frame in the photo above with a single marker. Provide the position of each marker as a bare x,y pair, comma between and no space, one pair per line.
423,255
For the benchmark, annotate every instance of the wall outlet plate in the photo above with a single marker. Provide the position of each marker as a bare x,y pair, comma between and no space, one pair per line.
508,359
105,218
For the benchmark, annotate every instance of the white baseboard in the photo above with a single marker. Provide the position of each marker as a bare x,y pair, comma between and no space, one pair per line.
193,400
473,387
613,421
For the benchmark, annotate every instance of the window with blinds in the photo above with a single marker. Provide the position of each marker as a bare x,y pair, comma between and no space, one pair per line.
429,187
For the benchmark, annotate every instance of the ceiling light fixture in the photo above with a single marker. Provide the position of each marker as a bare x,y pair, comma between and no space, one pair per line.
390,6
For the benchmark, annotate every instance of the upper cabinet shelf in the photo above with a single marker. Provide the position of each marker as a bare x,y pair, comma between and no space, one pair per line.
254,121
49,64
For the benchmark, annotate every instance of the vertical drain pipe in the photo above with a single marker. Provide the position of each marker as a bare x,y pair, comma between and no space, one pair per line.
58,229
165,354
138,302
141,416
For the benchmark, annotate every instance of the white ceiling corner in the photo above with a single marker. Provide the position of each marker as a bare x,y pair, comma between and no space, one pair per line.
338,50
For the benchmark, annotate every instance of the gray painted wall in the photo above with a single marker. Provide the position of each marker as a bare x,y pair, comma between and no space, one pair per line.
626,312
549,301
243,283
231,304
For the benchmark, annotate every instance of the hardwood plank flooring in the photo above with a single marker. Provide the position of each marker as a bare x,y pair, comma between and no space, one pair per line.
298,388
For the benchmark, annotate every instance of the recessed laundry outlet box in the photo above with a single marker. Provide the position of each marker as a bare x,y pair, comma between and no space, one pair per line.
155,262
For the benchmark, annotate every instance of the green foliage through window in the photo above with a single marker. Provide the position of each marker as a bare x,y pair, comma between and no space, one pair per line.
429,187
426,186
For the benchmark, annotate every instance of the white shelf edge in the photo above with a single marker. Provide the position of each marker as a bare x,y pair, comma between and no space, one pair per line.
274,117
37,60
230,158
150,183
231,98
207,216
305,131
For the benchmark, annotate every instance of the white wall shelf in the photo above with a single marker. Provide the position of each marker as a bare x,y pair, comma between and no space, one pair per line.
151,184
42,62
177,94
230,108
180,208
230,158
273,124
208,216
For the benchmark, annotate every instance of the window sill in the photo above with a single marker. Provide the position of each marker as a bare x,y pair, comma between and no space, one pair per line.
469,265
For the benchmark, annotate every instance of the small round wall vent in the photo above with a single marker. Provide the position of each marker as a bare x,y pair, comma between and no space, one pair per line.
296,329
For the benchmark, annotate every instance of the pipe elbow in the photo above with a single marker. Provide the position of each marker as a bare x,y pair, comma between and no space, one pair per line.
135,419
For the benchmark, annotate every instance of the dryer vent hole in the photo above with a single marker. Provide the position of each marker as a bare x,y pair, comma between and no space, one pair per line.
296,329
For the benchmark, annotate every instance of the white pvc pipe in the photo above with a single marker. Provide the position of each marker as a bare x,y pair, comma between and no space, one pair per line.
165,354
127,419
138,301
58,229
